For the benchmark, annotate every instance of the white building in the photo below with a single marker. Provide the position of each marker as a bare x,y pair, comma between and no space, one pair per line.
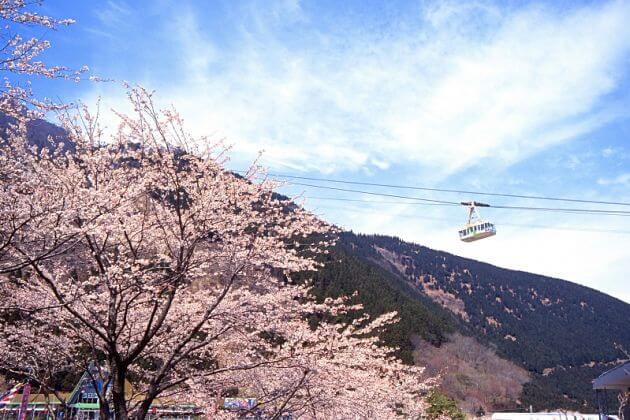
545,416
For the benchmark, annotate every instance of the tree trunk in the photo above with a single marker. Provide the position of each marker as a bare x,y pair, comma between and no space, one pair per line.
118,392
144,408
104,412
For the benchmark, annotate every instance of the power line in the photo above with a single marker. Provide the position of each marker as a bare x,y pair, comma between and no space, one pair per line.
569,210
409,187
411,216
444,202
356,200
454,203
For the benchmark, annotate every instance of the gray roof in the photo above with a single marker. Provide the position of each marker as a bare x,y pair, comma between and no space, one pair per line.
615,378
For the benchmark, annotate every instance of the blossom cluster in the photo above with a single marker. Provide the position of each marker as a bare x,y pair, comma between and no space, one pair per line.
142,253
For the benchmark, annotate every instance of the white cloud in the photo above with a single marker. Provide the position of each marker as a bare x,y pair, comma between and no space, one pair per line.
465,85
114,13
608,152
623,179
444,96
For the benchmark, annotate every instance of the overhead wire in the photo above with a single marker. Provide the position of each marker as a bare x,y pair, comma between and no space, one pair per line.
520,225
356,200
446,190
454,203
602,212
428,200
570,211
435,202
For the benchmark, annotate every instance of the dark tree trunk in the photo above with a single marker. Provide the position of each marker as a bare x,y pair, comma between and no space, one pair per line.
104,411
143,410
145,406
118,392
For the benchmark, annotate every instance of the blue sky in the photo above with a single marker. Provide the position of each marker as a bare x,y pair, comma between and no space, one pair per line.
517,97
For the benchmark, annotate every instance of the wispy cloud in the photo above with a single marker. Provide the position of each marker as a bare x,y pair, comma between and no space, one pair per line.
622,179
113,13
608,152
444,90
111,18
458,86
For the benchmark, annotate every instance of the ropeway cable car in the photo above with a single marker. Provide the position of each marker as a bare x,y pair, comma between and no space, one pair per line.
476,228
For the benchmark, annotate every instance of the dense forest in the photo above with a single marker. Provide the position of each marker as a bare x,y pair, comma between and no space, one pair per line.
564,334
538,321
380,292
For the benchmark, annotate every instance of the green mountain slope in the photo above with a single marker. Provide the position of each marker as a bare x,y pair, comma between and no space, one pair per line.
380,292
563,333
538,321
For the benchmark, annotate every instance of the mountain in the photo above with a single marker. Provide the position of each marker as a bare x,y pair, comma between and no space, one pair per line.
41,133
500,339
544,338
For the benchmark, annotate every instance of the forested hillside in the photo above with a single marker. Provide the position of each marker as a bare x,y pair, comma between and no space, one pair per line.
380,291
538,321
563,333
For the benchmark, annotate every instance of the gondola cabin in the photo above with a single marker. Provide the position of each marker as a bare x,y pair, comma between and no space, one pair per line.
477,231
476,228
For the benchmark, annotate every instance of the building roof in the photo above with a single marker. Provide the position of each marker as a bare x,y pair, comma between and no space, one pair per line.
37,399
615,378
84,396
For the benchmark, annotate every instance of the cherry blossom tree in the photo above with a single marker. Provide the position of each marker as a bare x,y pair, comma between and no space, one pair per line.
140,253
20,56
